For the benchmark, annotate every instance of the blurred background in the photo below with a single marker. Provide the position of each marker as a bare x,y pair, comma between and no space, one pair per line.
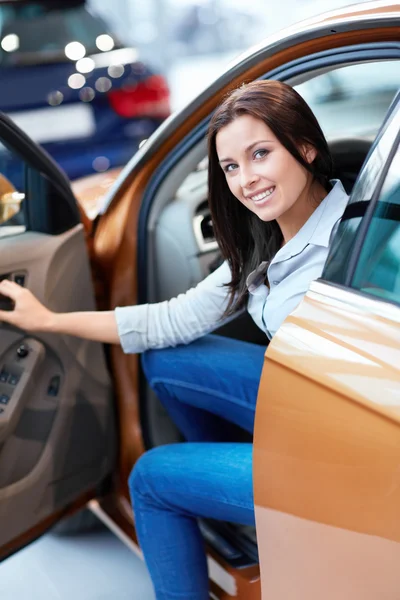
191,41
90,80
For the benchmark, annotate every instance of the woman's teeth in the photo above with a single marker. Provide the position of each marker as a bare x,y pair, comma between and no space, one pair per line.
263,195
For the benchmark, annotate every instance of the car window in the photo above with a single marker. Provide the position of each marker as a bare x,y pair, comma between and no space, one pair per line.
352,100
40,28
378,268
12,192
34,193
342,251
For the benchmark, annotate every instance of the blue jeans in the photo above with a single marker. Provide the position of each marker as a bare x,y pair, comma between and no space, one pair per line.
205,387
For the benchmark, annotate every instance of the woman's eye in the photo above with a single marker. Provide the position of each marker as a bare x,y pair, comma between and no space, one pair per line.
260,153
229,168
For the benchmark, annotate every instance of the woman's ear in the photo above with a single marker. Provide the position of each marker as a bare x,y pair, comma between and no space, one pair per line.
309,154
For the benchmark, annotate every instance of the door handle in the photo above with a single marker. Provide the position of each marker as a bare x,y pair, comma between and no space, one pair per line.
6,303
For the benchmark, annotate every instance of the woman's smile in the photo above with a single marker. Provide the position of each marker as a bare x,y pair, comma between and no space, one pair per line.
262,197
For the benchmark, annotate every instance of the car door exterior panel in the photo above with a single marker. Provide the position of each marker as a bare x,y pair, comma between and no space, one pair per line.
327,441
327,487
57,422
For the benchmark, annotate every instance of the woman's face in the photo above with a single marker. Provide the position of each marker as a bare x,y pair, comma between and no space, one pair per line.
259,171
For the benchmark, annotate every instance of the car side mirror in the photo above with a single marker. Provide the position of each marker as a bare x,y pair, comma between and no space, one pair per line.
10,205
10,200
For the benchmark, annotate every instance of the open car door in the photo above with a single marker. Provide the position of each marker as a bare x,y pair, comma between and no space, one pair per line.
327,440
57,424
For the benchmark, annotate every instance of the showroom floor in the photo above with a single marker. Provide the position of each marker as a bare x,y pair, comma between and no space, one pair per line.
95,566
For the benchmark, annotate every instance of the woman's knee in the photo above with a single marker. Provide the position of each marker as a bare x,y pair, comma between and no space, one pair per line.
149,471
141,474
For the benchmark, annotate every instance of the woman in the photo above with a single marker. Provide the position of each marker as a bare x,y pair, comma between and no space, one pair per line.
273,207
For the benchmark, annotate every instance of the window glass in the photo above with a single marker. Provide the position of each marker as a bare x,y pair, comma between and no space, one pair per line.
34,194
12,192
378,269
342,248
352,100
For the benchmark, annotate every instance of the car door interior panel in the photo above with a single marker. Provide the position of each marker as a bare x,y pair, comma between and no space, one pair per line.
57,431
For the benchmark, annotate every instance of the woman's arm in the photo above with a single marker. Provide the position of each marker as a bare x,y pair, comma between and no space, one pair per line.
98,326
137,328
180,320
30,315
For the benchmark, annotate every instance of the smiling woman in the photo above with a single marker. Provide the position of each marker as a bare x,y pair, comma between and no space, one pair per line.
276,162
274,208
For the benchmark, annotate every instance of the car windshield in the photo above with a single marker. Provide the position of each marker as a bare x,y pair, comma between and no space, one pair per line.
37,32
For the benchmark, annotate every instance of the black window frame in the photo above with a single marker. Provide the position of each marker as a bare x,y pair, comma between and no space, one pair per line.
393,153
352,261
40,214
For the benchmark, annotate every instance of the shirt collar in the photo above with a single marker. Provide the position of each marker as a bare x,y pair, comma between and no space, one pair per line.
317,229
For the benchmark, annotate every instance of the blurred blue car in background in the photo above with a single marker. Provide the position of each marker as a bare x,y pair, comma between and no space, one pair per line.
70,84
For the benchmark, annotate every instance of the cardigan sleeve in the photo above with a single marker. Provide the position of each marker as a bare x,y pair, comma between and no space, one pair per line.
180,320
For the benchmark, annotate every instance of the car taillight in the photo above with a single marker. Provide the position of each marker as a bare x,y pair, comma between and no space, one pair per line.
149,98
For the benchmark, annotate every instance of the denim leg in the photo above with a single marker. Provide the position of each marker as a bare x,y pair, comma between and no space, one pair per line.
170,487
207,383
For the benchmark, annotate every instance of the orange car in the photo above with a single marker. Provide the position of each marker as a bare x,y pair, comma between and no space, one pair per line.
75,416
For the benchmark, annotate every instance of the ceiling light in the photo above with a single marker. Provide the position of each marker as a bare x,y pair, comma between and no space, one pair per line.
85,65
75,50
10,43
105,42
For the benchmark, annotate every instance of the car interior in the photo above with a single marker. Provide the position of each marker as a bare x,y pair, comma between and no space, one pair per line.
182,251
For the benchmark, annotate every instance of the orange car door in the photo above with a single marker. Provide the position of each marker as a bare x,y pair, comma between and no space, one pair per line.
327,436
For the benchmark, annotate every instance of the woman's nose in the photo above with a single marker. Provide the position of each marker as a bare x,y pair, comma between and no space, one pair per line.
248,177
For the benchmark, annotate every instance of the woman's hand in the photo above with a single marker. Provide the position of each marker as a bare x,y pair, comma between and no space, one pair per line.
28,314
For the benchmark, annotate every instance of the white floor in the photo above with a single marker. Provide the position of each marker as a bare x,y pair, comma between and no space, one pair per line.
94,566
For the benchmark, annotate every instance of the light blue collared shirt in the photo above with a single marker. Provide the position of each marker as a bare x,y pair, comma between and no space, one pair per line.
187,317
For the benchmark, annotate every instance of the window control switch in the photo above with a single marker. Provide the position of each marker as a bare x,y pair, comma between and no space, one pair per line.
4,399
54,386
20,279
4,375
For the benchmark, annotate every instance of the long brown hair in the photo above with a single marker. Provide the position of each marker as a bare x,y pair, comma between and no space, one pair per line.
244,240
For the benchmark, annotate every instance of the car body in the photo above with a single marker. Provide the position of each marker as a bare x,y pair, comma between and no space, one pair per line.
327,435
70,83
